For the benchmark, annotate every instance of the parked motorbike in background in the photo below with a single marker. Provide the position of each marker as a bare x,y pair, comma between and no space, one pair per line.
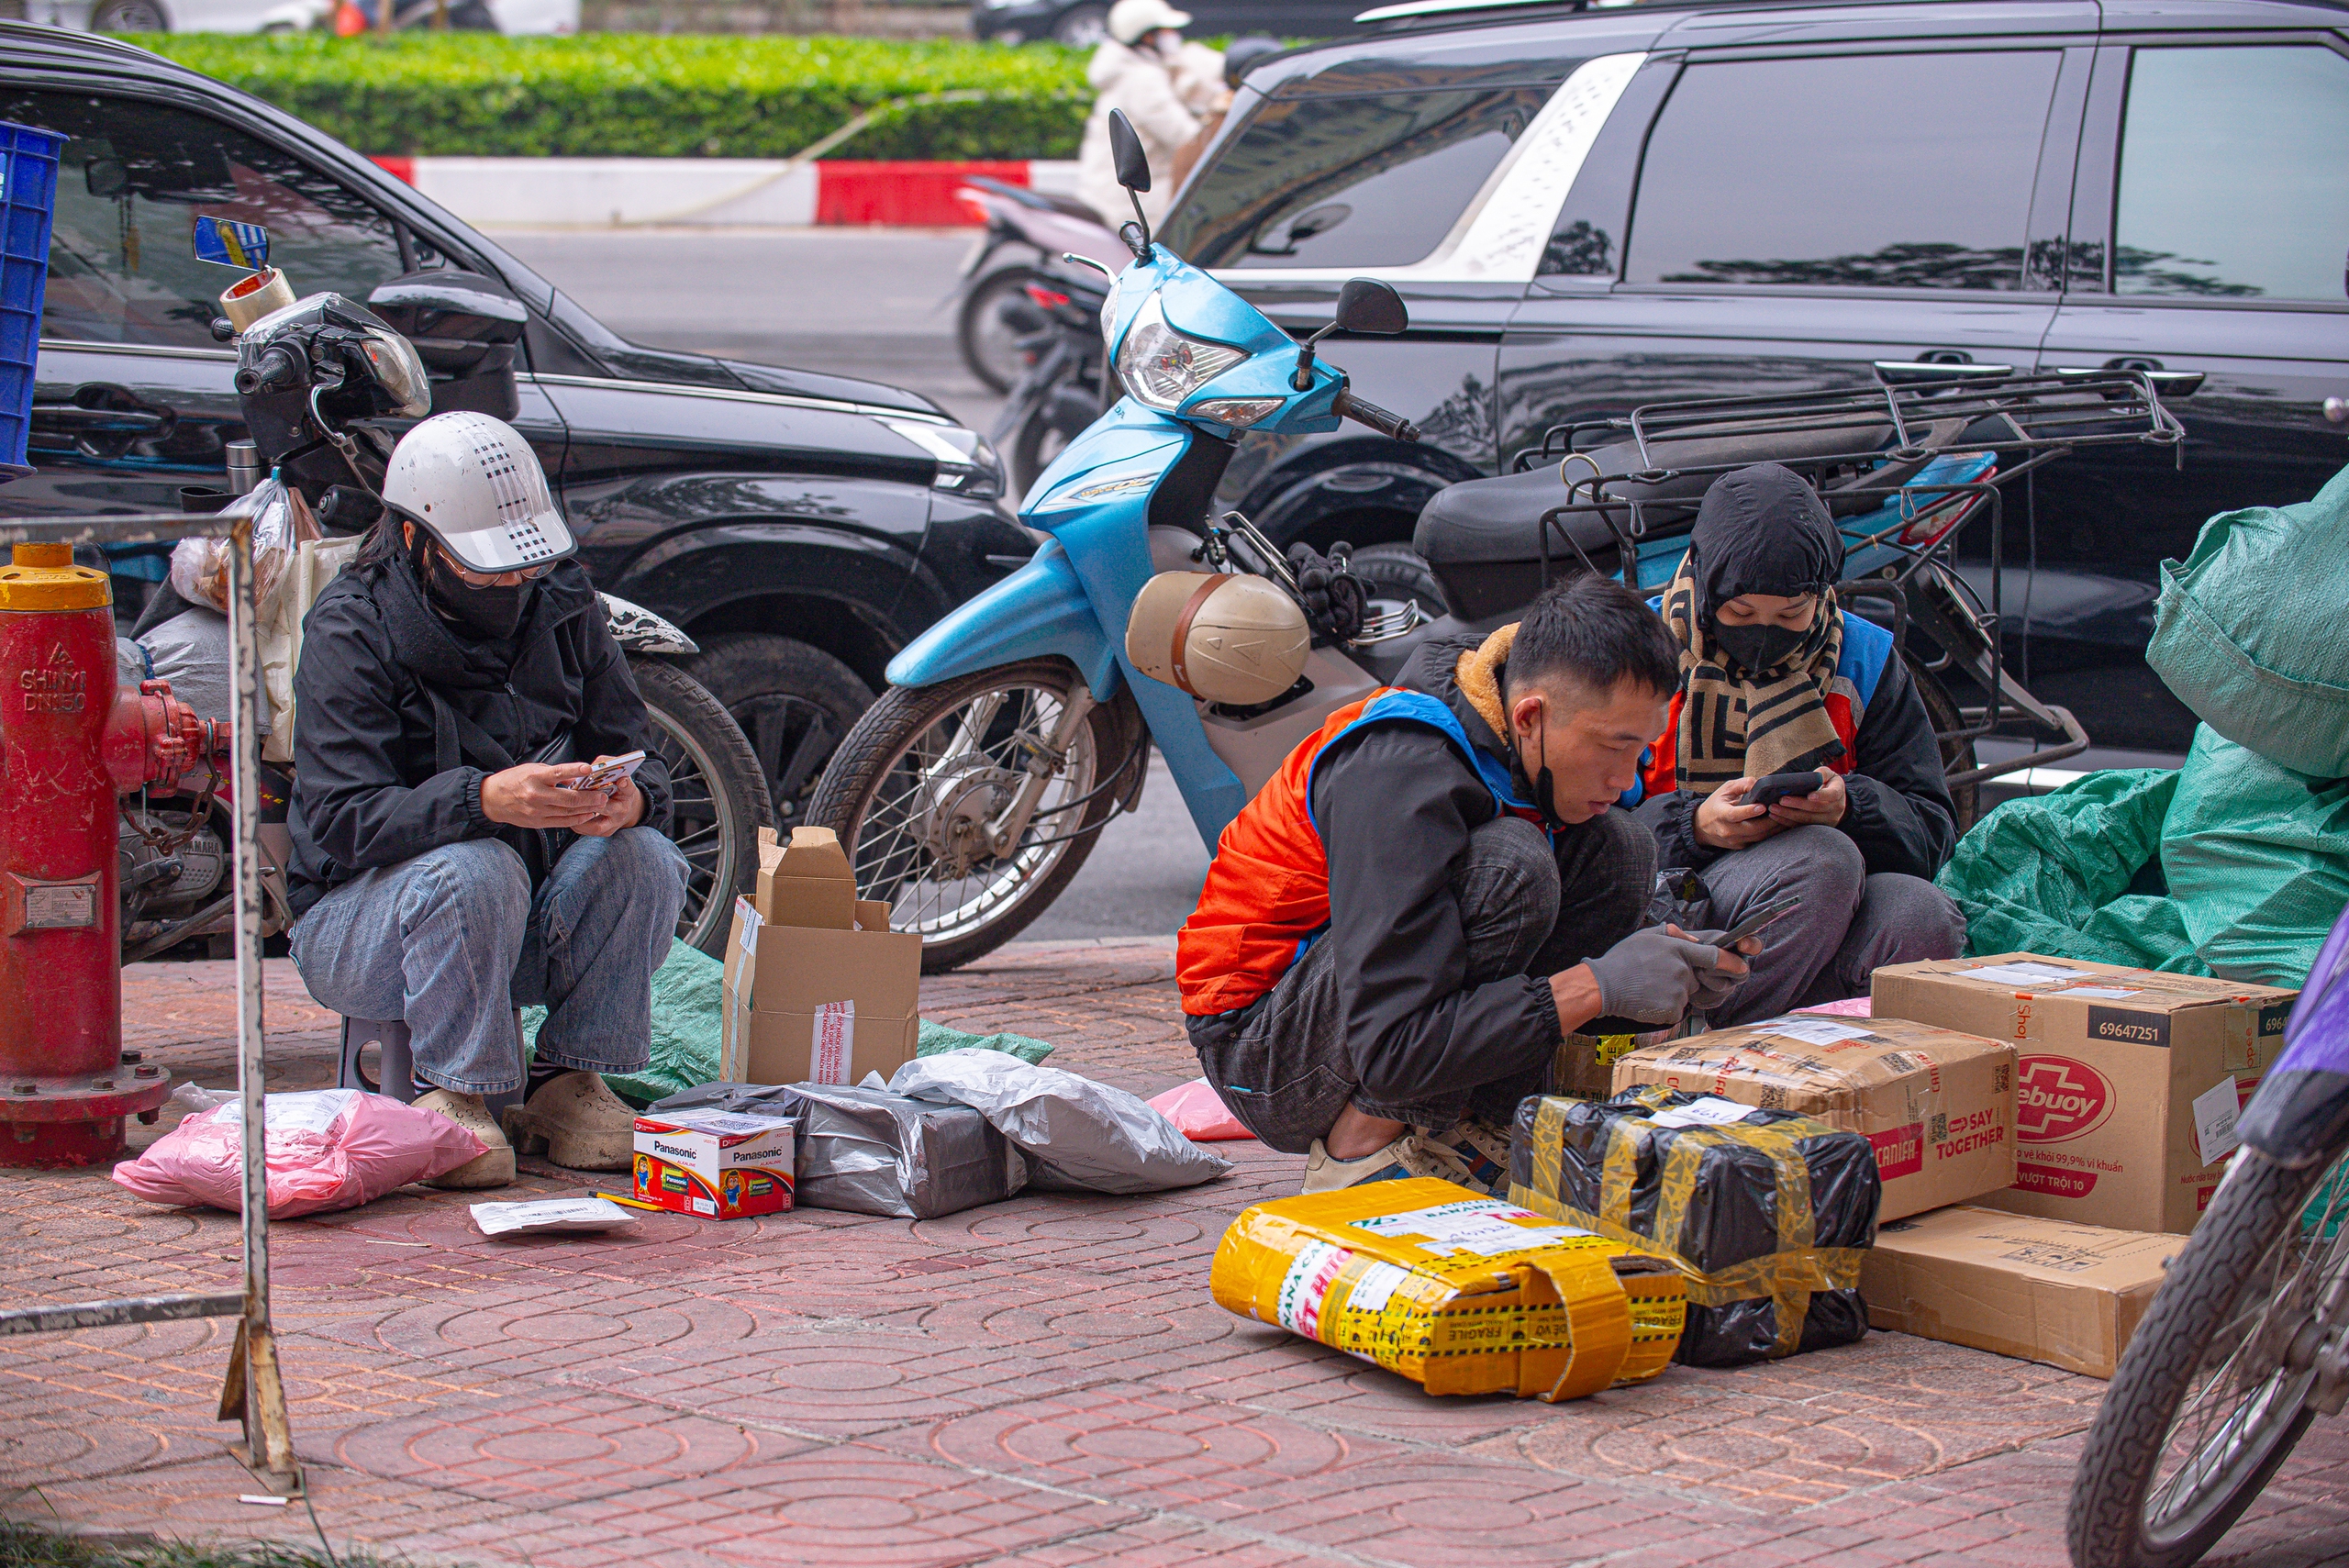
1059,391
2247,1340
1026,231
325,385
1017,725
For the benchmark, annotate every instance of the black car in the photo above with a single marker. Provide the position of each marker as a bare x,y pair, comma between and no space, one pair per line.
800,527
1082,24
1587,211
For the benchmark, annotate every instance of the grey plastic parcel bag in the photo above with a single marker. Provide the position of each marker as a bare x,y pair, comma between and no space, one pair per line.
866,1150
1078,1135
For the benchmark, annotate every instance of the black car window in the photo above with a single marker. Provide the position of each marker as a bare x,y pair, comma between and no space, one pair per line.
1850,171
133,178
2232,173
1374,181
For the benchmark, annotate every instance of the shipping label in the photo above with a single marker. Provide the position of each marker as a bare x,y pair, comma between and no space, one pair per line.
1814,1030
833,1060
1709,1111
2215,1109
2028,976
1485,1227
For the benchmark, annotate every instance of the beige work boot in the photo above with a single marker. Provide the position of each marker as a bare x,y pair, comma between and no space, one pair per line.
1481,1148
578,1121
494,1167
1409,1156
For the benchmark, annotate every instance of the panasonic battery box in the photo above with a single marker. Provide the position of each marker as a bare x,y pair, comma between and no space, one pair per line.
714,1164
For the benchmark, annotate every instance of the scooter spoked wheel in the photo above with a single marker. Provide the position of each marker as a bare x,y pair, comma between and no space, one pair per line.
990,345
2213,1390
718,797
931,774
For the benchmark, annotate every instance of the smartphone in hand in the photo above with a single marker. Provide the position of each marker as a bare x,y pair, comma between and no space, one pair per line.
607,772
1779,786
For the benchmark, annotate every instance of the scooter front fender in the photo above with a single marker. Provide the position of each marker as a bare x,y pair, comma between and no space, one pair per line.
1039,611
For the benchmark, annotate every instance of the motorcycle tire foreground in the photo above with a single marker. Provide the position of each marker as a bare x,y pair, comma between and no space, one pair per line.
1020,725
2247,1340
316,378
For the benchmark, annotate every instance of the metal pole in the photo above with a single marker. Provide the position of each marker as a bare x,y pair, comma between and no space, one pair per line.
269,1437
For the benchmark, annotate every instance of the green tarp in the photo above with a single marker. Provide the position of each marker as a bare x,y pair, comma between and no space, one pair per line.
686,1001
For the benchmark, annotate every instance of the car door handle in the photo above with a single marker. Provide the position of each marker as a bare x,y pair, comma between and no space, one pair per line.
1892,373
73,420
2169,384
101,421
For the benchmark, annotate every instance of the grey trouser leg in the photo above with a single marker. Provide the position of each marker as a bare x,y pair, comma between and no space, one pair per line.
1283,1064
452,941
1850,925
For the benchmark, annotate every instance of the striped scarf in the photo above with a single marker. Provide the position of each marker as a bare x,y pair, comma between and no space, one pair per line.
1775,722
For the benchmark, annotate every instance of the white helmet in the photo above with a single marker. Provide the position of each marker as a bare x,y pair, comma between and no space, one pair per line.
1225,638
1130,21
476,485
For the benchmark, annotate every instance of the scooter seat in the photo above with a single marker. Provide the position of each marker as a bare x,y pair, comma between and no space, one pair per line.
1482,538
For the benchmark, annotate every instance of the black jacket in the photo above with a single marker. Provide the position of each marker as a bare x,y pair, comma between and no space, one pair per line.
382,773
1395,804
1899,812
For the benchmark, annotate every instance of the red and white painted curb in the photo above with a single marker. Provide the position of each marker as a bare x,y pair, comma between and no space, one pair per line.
609,193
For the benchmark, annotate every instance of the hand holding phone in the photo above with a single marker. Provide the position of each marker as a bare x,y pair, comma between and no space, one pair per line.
607,772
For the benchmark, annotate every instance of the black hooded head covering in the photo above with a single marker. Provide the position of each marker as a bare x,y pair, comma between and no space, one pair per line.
1762,530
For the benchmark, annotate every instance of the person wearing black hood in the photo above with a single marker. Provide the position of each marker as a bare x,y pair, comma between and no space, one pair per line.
453,683
1776,677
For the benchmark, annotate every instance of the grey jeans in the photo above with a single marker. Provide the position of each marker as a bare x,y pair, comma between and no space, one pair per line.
453,941
1526,907
1851,924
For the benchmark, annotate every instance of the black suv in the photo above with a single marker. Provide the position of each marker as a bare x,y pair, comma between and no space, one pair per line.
801,527
1591,210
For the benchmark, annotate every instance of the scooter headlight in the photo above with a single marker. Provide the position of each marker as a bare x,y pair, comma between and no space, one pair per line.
1161,366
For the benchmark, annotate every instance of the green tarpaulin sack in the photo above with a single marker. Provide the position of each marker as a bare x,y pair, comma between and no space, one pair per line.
2247,631
688,995
2051,875
2257,858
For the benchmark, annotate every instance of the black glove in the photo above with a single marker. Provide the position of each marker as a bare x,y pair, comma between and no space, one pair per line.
1653,977
1336,601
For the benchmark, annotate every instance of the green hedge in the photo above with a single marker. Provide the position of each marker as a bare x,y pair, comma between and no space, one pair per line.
648,96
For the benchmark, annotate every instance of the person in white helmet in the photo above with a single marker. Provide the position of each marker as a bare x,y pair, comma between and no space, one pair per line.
1136,69
454,682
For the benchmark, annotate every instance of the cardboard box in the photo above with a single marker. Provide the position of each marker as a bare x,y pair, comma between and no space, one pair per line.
2128,1084
813,994
713,1163
2041,1290
1937,1107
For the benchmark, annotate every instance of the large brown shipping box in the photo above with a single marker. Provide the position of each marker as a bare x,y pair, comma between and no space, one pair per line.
2041,1290
2128,1083
1937,1107
818,988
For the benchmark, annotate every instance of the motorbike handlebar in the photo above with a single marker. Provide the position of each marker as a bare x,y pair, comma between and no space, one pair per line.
277,368
1346,405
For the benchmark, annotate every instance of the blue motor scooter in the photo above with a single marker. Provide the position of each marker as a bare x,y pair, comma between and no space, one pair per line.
1015,727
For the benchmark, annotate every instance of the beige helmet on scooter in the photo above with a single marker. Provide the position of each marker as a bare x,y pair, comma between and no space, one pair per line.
1236,639
474,484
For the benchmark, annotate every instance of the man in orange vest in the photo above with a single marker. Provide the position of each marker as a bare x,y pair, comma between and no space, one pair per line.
1435,890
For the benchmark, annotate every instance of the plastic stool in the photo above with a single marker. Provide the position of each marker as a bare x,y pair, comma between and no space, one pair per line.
395,1063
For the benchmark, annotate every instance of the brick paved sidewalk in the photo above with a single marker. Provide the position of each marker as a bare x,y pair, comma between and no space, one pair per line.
1041,1380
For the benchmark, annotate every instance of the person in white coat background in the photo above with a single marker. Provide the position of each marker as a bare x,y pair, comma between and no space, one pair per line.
1136,69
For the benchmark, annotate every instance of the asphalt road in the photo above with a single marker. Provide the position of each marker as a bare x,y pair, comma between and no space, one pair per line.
877,304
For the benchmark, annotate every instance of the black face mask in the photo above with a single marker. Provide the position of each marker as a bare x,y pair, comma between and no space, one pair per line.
1757,648
1542,789
485,612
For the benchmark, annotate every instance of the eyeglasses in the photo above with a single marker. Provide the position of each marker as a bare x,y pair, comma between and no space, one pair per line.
494,579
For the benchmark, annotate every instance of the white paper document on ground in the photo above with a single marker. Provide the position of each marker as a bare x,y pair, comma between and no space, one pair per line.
549,1217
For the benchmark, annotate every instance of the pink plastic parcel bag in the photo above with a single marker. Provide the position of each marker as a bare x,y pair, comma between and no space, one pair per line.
1197,1114
327,1149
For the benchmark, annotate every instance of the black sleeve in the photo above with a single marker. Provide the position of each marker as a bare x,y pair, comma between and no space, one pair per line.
1900,814
346,736
1672,819
1395,807
612,718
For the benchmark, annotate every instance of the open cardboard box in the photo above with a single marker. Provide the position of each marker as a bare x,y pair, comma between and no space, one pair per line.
818,990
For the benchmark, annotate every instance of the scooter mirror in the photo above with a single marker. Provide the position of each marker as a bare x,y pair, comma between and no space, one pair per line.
1126,151
226,243
1367,306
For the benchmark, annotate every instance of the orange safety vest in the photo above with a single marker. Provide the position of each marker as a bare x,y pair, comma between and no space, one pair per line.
1267,893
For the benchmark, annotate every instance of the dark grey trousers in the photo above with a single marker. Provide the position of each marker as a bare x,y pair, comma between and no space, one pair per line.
1283,1064
1852,922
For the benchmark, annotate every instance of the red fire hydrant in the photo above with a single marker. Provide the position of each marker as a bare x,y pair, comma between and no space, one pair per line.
73,744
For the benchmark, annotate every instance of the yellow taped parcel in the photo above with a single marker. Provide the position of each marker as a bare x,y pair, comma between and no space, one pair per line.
1461,1292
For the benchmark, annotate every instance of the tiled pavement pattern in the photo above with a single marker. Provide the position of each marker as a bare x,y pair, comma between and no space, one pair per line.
1043,1381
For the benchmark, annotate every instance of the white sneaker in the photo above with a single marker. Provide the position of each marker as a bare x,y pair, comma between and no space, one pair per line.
577,1119
494,1167
1481,1148
1409,1156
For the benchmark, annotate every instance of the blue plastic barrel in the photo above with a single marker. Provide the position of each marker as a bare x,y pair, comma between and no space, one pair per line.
27,203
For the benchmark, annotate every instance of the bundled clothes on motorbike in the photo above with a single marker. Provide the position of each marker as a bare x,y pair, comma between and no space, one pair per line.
1776,677
1399,932
453,682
